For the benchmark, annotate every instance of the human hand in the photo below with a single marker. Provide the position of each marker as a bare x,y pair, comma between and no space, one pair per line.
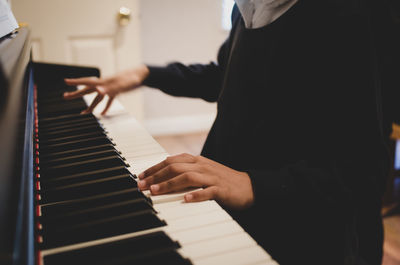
227,186
111,86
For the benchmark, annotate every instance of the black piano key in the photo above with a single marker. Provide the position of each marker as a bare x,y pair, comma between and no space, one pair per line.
92,214
78,151
65,124
73,145
55,139
82,166
136,204
108,227
155,258
75,110
87,189
83,176
111,180
62,118
108,253
91,202
60,104
72,159
71,131
62,107
56,98
56,104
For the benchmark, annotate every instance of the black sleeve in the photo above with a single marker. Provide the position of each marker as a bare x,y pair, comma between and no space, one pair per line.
387,34
196,80
312,182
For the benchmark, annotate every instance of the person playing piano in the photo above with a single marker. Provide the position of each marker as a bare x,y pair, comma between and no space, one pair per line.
296,153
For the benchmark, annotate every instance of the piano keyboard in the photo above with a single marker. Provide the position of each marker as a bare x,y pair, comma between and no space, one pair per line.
90,211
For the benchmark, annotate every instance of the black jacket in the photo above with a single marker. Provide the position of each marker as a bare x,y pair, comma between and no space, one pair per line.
305,105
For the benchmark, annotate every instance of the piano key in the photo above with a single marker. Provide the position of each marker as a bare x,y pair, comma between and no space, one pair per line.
76,158
71,131
133,204
90,202
190,222
93,214
73,145
62,118
107,227
106,253
192,227
83,176
249,255
68,123
87,189
206,233
78,151
77,167
55,139
161,257
52,113
214,246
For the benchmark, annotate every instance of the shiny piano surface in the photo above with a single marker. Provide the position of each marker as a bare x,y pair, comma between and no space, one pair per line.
69,193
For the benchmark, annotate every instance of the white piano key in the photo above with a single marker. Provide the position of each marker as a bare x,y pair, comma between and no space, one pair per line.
248,255
196,221
182,209
204,233
215,246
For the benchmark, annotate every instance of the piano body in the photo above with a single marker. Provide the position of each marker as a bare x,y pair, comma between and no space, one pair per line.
68,192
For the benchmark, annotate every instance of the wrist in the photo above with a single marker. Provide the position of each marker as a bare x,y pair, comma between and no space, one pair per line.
143,71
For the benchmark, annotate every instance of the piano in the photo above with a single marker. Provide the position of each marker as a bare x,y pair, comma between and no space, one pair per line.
68,192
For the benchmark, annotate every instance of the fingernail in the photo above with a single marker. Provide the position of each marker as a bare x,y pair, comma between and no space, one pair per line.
155,187
142,183
141,175
188,197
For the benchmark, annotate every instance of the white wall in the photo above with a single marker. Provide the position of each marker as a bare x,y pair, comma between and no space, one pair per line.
188,31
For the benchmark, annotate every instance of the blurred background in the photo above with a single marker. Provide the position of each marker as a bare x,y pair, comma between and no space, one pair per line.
119,34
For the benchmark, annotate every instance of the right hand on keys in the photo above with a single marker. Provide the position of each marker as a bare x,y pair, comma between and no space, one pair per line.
110,86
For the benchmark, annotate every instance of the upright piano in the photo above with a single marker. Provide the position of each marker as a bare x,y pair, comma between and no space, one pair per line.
68,192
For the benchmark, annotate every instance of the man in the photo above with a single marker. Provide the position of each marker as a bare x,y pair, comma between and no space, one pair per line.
297,153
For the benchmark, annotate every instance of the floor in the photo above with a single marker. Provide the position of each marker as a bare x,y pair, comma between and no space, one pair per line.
192,143
186,143
391,245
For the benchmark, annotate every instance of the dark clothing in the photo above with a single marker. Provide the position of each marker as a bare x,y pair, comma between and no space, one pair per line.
299,110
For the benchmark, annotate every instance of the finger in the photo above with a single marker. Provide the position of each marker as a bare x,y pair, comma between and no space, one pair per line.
181,182
166,173
88,81
95,102
109,102
210,193
182,158
79,93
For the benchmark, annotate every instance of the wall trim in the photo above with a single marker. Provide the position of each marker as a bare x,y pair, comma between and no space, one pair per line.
179,125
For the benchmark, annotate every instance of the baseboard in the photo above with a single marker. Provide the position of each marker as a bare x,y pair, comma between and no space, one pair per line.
179,125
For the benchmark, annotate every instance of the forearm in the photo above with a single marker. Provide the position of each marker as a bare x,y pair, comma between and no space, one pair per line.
196,80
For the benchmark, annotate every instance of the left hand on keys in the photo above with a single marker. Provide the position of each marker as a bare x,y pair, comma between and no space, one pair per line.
227,186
